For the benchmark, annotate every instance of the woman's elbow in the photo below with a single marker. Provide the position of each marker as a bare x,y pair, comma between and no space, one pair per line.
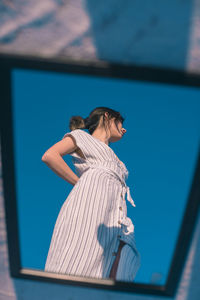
45,156
49,154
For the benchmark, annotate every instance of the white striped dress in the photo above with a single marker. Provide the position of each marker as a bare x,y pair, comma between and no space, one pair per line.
93,219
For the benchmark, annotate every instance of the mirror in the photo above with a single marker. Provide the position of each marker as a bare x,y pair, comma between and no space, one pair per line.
159,149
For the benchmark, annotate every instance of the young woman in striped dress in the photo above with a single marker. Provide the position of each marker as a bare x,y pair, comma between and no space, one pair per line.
92,236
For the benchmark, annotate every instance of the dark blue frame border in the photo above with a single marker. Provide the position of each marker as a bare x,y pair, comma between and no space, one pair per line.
102,69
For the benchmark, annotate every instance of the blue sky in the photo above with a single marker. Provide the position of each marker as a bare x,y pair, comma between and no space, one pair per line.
159,150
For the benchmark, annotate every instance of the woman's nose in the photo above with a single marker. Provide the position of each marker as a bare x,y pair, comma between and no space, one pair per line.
123,130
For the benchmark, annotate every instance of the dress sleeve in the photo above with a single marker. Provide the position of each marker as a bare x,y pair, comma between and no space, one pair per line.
79,139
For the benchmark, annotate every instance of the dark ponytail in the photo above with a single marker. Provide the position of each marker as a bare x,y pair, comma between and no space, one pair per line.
77,122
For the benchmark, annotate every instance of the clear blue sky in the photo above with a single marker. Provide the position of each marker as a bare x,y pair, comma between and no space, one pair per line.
159,150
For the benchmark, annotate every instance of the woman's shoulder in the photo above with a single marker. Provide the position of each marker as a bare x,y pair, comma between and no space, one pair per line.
81,132
76,131
81,135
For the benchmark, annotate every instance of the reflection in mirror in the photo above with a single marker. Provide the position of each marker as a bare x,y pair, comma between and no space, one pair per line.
77,229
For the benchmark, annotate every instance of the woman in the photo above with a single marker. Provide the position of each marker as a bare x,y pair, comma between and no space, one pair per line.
93,237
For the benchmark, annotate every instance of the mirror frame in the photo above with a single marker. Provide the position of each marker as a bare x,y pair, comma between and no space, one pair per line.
102,69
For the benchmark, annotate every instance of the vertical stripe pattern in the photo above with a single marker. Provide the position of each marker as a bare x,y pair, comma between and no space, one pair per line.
93,218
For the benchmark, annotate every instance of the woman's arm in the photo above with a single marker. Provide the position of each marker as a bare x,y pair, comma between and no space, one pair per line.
53,159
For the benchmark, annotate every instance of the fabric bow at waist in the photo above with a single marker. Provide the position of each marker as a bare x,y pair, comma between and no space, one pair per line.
125,187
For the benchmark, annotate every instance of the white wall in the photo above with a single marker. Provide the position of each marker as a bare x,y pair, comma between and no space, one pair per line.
142,32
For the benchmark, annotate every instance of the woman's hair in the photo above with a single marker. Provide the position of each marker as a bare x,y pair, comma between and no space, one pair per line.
92,121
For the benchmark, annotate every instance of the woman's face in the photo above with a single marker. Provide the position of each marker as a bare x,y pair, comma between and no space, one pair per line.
116,130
